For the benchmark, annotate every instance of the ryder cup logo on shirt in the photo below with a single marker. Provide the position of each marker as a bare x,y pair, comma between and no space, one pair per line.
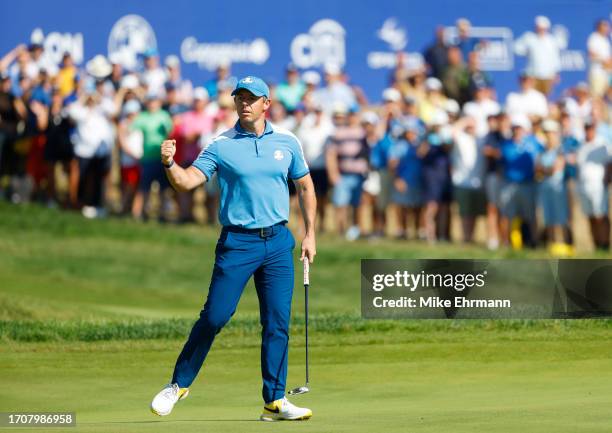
278,155
130,36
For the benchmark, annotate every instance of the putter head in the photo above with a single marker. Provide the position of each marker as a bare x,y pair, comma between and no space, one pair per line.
299,390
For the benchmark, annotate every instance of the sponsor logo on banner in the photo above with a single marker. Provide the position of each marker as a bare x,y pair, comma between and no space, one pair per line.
209,55
571,60
397,38
56,44
130,37
496,50
324,44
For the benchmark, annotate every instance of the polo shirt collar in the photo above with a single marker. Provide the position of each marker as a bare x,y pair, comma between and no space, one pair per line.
240,130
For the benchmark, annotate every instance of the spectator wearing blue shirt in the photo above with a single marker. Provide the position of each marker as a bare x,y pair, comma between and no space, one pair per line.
437,188
290,92
377,185
518,193
406,167
552,193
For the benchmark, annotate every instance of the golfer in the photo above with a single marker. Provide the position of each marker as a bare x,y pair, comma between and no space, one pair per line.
253,161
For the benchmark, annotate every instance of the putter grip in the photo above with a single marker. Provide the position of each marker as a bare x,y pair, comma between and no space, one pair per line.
306,271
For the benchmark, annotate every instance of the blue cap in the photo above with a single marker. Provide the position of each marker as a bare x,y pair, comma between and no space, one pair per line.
255,85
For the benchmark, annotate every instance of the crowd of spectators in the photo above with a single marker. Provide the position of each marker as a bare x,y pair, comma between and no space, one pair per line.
438,136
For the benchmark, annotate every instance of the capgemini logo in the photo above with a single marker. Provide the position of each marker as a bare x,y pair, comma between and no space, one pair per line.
323,45
130,36
210,55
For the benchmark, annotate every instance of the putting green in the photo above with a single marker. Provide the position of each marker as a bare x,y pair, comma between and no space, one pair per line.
496,383
77,282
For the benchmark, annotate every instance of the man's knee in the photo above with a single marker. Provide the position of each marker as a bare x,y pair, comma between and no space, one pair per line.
213,321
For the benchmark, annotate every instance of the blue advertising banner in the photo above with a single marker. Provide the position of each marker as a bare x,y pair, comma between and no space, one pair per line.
262,38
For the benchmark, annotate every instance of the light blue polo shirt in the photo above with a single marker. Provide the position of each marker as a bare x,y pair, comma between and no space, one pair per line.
253,173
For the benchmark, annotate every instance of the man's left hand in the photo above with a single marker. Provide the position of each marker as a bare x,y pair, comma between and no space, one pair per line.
309,249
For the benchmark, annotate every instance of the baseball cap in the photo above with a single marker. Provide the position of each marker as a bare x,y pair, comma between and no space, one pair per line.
172,61
311,77
200,93
542,22
432,83
391,95
550,125
521,121
370,117
150,52
130,81
255,85
451,106
439,118
130,107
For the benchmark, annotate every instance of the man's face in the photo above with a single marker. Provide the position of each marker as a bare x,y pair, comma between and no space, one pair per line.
250,107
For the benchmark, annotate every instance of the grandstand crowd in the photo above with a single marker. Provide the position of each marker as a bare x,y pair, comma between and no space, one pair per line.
437,136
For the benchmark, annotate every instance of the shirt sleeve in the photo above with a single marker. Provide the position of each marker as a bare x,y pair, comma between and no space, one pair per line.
208,160
299,167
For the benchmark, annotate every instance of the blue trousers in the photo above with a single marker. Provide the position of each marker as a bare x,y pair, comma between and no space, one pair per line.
238,256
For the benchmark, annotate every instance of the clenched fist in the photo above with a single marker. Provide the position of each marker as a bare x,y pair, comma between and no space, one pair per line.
168,149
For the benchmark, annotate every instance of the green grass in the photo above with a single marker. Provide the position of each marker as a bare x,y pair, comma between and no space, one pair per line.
93,314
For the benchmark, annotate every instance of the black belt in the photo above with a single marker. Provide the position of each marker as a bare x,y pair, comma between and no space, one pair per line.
263,232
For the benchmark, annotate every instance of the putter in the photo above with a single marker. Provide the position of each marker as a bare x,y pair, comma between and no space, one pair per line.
304,389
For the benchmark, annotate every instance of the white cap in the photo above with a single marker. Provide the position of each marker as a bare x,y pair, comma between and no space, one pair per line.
332,69
521,120
391,95
439,118
550,125
130,81
451,106
98,67
340,108
115,58
432,83
463,22
200,93
542,22
130,107
370,117
311,77
172,61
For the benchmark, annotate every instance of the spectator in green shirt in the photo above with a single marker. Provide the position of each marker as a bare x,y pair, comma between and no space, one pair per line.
155,125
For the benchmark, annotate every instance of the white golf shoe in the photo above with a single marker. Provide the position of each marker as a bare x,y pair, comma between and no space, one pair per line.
165,399
283,410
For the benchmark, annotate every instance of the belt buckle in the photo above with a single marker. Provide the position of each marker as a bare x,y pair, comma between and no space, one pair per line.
264,232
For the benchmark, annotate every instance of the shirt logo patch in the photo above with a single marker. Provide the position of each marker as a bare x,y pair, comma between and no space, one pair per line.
278,155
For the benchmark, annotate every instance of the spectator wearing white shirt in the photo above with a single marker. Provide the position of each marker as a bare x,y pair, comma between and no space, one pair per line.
592,157
528,101
543,51
184,87
481,108
335,92
467,174
93,139
153,76
600,56
314,131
